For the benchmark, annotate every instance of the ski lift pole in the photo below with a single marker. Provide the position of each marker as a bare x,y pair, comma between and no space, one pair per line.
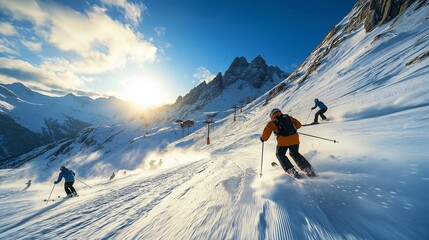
331,140
308,116
262,158
50,194
208,122
82,182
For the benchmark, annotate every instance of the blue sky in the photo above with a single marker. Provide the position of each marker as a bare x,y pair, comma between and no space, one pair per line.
152,51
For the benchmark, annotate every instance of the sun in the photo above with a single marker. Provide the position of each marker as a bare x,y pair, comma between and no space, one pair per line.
142,92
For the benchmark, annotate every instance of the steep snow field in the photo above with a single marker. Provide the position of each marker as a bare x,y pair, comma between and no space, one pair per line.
373,184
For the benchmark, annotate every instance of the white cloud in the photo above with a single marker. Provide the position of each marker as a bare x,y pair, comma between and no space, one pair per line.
7,46
33,46
5,49
84,43
103,43
133,12
7,29
160,31
14,70
98,42
203,74
25,10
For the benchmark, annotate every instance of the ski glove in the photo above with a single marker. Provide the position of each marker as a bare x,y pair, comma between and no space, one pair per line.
262,140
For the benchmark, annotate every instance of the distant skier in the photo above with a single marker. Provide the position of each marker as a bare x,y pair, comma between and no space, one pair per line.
68,176
112,177
284,127
322,110
28,185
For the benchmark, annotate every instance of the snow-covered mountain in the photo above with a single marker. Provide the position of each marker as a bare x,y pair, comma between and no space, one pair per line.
370,185
242,83
30,119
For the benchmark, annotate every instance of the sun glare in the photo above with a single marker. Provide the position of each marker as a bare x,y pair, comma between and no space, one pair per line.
143,93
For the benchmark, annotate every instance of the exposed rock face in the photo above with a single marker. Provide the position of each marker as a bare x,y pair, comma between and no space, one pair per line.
193,95
217,84
236,69
419,58
382,11
256,73
371,20
275,91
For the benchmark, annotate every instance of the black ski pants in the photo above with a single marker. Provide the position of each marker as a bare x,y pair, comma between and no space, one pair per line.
68,186
296,156
320,112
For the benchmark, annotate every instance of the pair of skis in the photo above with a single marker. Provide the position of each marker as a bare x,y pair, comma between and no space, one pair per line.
310,124
51,200
275,165
58,198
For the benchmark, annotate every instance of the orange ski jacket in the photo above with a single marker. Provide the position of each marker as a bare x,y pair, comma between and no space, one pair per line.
281,140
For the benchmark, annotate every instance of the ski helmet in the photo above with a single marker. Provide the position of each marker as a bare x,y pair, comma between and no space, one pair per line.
316,100
62,167
274,111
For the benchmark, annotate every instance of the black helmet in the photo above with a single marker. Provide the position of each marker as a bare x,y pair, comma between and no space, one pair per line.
316,100
274,111
62,167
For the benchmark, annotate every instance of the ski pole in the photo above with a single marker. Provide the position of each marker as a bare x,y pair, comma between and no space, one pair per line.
308,116
50,194
331,140
82,182
262,158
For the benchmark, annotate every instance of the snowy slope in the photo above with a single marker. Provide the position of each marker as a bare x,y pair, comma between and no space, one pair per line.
371,185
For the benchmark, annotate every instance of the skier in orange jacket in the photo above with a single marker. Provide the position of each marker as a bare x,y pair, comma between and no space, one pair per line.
284,127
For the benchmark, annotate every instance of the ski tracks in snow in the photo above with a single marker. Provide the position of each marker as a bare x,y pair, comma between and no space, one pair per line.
288,210
102,215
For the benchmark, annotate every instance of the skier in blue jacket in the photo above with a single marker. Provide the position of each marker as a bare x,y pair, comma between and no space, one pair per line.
322,110
68,176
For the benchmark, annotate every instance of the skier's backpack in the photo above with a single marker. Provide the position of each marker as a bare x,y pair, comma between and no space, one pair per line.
285,125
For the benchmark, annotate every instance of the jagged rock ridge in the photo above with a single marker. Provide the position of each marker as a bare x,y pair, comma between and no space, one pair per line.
256,75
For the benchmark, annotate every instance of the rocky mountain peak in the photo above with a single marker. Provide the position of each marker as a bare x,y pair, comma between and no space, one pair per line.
259,60
255,76
256,73
217,81
239,62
